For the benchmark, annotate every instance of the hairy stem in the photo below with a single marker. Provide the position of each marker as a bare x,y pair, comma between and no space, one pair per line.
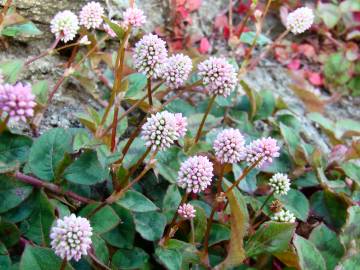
149,91
213,210
51,187
198,134
45,53
63,264
3,124
261,208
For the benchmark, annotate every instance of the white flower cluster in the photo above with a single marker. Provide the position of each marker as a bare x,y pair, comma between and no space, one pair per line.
284,216
300,20
280,183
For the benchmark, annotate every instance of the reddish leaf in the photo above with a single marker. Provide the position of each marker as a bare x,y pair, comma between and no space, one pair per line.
226,32
356,16
204,45
294,64
193,5
307,50
243,8
182,11
315,78
221,21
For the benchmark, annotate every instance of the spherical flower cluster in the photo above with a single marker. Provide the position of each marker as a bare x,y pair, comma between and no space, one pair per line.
17,100
284,216
150,53
262,151
91,15
186,211
280,183
218,75
161,130
195,174
181,124
300,20
134,17
71,237
65,24
176,69
229,146
108,29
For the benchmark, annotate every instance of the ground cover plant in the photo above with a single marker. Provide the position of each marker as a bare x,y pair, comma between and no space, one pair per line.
181,164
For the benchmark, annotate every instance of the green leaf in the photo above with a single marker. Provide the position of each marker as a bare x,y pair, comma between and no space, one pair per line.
328,244
119,31
271,237
218,233
135,201
100,249
350,263
330,206
12,193
248,38
123,235
134,258
351,231
337,68
136,150
150,225
37,228
9,234
309,256
352,170
5,261
169,258
14,147
168,164
296,202
250,93
329,13
40,90
200,224
103,220
47,153
239,220
188,251
86,170
11,69
171,201
267,106
23,29
137,84
39,258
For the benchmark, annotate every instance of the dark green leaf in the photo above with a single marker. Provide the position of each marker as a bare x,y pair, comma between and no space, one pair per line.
130,258
171,201
169,258
351,231
39,258
271,237
328,244
297,203
119,31
5,261
86,170
137,85
200,224
103,220
47,153
14,147
12,193
37,228
150,225
218,233
100,249
135,201
352,170
122,236
309,256
330,206
9,234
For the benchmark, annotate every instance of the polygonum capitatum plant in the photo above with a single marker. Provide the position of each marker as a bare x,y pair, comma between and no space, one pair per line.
174,168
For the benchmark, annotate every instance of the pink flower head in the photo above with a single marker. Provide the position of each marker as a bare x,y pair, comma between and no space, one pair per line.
186,211
300,20
91,15
162,129
65,24
134,17
176,69
218,76
181,124
150,53
71,237
265,149
229,146
17,100
108,29
195,174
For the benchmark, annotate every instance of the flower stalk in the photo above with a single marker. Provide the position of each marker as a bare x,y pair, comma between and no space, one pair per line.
208,109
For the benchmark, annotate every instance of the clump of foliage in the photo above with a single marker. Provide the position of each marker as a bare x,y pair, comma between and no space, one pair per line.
173,172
